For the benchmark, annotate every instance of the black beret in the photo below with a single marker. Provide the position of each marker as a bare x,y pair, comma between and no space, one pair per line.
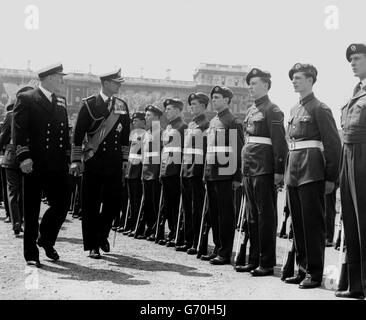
200,96
224,91
303,67
24,89
49,70
177,103
355,48
112,76
139,115
255,72
154,109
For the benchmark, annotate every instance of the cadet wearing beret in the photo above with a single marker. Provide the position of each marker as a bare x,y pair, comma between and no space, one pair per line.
105,120
151,148
193,190
41,138
352,283
171,159
311,171
263,165
222,173
133,172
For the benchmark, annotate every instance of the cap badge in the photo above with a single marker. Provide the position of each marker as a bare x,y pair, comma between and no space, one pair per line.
297,66
353,47
254,71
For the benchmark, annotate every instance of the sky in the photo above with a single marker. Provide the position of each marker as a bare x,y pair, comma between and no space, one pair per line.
159,34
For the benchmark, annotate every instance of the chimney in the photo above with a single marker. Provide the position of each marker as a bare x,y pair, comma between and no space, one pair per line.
28,65
168,71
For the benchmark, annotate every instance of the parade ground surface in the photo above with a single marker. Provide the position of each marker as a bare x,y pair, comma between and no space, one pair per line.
139,270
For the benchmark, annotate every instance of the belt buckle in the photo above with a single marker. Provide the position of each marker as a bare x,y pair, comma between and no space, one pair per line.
246,139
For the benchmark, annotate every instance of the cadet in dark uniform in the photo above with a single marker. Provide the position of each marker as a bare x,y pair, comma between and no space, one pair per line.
222,173
105,120
171,159
263,165
133,172
311,171
193,189
151,147
41,138
353,180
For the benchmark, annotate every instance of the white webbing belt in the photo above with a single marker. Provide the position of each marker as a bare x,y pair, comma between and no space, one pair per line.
262,140
297,145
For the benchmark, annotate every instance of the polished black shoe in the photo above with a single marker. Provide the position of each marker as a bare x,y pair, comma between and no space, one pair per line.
94,254
114,228
182,248
140,237
295,280
220,261
162,242
349,294
127,232
192,251
246,268
131,234
120,229
328,243
308,283
105,246
262,272
208,257
150,238
34,263
51,253
170,244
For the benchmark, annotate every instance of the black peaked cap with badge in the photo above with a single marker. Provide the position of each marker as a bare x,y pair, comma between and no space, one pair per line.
138,115
255,72
177,103
355,48
56,68
112,76
154,109
224,91
200,96
303,67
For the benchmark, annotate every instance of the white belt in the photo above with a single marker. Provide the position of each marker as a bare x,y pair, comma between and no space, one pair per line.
193,151
296,145
219,149
151,154
261,140
135,156
172,149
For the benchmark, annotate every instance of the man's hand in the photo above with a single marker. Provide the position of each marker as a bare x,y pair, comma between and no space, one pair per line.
76,168
329,187
236,185
124,167
278,178
26,166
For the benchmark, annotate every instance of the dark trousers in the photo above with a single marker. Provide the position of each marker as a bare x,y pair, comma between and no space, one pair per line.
352,187
193,193
330,213
171,196
262,219
4,193
97,189
13,179
55,186
149,215
134,189
222,216
307,207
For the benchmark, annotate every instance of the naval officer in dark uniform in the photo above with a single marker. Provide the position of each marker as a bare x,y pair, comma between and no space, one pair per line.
104,121
263,165
352,283
311,172
40,136
222,173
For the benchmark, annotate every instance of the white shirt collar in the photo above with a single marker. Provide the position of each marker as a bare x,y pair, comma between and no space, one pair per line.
47,93
104,97
363,83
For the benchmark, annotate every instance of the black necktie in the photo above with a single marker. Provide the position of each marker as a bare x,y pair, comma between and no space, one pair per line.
54,99
357,88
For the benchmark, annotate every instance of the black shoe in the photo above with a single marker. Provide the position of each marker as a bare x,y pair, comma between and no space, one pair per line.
262,272
220,260
49,250
105,246
328,243
131,234
150,238
308,283
170,243
295,280
140,237
192,251
127,232
34,263
162,242
246,268
208,257
7,220
350,294
182,248
94,254
114,228
120,229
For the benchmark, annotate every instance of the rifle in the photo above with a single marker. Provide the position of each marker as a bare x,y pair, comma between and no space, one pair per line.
139,215
179,219
159,215
127,212
240,229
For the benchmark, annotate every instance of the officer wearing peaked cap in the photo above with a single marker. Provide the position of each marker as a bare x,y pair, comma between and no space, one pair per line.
40,136
171,159
263,165
352,283
311,171
193,191
104,120
222,173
